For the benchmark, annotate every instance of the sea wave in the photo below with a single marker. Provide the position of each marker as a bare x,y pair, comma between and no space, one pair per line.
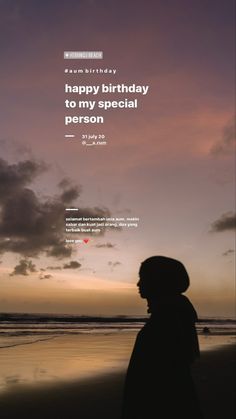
34,327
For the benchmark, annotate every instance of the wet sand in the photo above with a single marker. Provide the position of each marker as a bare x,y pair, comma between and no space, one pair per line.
100,397
214,376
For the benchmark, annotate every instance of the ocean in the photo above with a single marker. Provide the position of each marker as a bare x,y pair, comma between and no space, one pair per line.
36,348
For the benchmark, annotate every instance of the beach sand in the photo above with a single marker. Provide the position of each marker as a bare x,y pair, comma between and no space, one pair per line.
101,397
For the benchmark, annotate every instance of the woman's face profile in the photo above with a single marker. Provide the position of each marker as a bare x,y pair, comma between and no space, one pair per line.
141,286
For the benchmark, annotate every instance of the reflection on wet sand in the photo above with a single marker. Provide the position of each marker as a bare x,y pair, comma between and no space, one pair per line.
67,358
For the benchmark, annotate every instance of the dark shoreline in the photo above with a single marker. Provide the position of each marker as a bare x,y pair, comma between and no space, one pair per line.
29,318
100,397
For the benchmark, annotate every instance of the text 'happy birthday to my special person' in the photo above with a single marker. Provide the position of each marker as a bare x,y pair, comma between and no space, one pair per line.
89,92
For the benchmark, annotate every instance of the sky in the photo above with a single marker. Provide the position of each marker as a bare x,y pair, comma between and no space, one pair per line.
170,162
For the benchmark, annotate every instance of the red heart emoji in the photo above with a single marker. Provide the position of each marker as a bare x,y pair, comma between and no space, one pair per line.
86,241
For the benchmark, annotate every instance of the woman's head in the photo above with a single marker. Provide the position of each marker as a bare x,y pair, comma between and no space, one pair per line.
160,276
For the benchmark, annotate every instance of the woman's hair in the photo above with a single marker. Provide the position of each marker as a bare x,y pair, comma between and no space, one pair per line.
161,275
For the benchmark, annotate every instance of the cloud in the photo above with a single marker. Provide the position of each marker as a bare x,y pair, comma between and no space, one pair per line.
227,221
73,264
29,224
24,268
46,276
227,143
107,245
70,192
228,252
14,177
114,264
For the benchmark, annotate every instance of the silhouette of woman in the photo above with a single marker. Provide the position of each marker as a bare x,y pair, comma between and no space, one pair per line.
158,381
